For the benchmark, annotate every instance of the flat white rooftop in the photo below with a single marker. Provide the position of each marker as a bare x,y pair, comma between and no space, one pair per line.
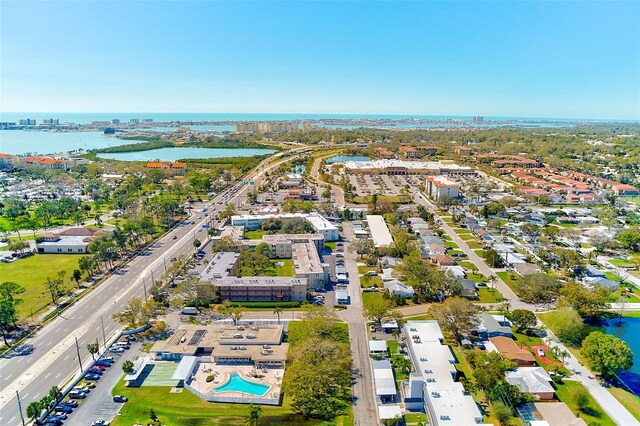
379,230
445,398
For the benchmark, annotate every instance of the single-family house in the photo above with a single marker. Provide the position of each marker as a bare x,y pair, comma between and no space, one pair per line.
469,289
532,380
508,348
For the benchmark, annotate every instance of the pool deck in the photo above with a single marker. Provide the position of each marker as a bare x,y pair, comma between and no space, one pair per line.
272,378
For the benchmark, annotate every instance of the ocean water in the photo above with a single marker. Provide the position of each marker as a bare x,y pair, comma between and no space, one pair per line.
85,118
174,154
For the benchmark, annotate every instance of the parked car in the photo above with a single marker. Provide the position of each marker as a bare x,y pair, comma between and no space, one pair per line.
58,416
77,395
84,389
116,349
540,352
100,423
120,398
63,409
96,371
98,367
70,403
91,376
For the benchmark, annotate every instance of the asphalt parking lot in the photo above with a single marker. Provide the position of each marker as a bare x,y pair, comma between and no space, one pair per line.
99,405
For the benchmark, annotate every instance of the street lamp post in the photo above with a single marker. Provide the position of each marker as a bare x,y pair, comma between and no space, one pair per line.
20,407
78,351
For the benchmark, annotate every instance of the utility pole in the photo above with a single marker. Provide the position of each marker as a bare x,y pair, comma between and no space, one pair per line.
164,260
20,407
144,286
78,351
104,336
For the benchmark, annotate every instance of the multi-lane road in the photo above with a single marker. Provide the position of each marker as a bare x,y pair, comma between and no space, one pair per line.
54,360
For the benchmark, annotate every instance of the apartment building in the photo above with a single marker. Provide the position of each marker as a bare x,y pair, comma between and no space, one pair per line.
262,289
432,387
441,186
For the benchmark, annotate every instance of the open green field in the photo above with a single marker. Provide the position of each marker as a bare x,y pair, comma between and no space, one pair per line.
254,235
31,273
592,412
187,409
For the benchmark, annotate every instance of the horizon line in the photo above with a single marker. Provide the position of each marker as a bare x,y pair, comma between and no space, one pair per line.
329,113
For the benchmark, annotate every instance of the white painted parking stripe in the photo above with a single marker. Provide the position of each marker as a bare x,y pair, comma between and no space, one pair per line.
47,376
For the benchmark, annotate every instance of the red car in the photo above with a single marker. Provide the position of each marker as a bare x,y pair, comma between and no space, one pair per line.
98,367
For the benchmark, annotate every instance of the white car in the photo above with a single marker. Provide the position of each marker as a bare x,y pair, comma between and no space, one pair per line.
540,352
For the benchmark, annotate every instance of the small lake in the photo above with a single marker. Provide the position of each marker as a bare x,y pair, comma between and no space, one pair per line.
19,142
343,158
174,154
629,332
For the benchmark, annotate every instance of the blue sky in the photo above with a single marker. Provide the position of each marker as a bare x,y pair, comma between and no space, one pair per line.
540,59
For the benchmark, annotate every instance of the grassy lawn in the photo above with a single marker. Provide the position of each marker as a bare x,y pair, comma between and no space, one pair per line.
367,281
477,277
186,408
509,278
467,236
254,235
466,264
622,263
414,418
331,245
362,269
452,252
474,244
611,276
489,295
366,199
286,270
31,273
451,244
369,297
629,400
421,317
393,346
592,411
525,340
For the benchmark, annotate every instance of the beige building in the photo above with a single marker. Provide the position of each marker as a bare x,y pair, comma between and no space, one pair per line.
441,186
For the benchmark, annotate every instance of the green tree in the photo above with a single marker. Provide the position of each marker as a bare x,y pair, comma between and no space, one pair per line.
523,319
538,288
34,409
606,353
127,367
580,397
630,239
77,276
278,310
55,394
233,313
456,315
566,323
589,302
8,319
377,309
502,412
93,349
493,258
254,415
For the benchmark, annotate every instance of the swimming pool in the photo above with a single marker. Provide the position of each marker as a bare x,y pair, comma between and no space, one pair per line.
237,384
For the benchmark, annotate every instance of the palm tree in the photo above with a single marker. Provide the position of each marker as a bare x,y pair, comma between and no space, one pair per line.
278,311
93,349
34,409
56,394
